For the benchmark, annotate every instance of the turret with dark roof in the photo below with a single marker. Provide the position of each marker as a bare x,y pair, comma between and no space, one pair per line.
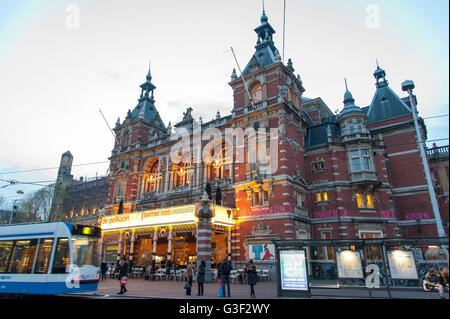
385,103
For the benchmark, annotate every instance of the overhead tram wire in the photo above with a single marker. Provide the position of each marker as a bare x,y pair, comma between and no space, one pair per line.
49,168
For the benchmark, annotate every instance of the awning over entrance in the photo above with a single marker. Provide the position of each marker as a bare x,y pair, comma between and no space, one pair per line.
178,215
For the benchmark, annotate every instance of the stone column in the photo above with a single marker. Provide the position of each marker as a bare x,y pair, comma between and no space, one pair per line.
169,244
204,232
133,237
157,176
155,239
119,246
229,244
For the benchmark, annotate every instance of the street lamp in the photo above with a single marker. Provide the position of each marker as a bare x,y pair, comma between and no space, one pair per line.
408,86
13,212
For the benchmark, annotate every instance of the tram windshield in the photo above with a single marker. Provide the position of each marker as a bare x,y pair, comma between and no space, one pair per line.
85,251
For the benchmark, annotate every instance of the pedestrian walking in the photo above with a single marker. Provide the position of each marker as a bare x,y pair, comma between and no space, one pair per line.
225,270
201,277
123,272
250,269
103,270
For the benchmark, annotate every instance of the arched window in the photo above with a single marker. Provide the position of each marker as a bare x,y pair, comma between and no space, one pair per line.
257,93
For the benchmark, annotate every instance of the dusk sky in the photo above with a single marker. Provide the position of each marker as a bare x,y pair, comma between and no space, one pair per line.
60,61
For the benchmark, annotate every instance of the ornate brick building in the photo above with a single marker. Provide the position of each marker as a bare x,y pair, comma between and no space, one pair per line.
356,174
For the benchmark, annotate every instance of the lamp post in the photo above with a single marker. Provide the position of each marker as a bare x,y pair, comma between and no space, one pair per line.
408,86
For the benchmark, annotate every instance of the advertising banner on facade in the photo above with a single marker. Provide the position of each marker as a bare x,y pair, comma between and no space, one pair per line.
349,264
402,264
261,251
293,270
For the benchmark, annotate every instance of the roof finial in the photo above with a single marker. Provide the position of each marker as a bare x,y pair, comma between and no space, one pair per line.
149,76
345,80
377,64
264,18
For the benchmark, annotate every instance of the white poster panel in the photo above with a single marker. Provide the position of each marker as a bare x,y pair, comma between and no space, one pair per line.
402,264
293,270
349,264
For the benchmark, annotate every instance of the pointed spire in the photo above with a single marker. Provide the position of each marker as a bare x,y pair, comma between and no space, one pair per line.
264,18
233,75
149,75
348,97
349,102
147,87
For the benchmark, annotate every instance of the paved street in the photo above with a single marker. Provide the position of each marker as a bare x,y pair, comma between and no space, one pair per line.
139,288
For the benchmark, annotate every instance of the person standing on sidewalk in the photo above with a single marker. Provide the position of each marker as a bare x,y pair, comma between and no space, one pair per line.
190,275
201,277
225,269
251,277
123,272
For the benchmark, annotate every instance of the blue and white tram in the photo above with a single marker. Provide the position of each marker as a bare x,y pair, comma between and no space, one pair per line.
49,258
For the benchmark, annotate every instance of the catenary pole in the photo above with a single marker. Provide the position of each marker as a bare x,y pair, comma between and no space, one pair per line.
409,86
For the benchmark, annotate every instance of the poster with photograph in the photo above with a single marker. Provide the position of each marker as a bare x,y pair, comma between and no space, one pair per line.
402,264
261,251
349,264
293,270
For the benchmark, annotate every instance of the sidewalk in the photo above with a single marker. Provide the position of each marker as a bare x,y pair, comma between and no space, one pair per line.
139,288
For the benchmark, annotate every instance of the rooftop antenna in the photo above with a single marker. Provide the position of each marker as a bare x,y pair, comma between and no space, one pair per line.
243,80
284,25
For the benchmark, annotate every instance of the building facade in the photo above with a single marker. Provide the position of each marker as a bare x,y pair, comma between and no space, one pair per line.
280,166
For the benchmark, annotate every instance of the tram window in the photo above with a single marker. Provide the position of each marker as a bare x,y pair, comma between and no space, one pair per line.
62,258
22,256
85,251
43,258
5,254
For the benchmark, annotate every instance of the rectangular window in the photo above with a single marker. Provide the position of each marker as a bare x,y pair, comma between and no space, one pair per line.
369,202
256,199
351,128
321,196
359,200
22,256
371,252
62,258
5,254
299,199
365,200
43,258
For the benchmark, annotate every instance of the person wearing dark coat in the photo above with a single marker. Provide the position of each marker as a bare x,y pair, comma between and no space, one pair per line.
103,269
251,277
201,277
225,269
123,272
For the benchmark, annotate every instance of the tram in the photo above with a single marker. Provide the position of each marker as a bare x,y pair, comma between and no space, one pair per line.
49,258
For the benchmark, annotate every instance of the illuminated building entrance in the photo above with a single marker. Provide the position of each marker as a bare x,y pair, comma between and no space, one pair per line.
165,234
